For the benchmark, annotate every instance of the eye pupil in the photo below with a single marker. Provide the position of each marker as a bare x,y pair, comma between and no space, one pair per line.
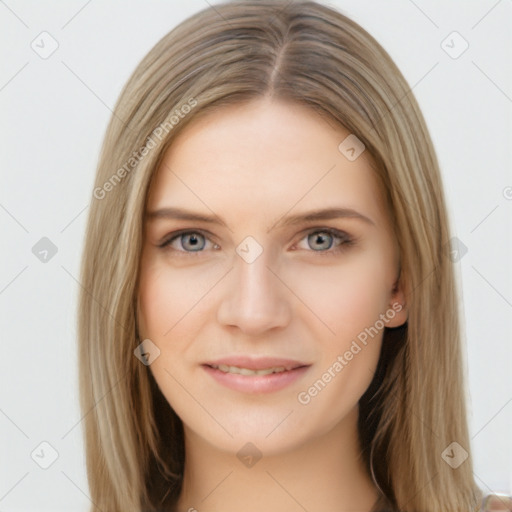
194,241
325,241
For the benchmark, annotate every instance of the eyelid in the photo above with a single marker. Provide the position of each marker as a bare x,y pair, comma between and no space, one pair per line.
345,238
325,229
170,237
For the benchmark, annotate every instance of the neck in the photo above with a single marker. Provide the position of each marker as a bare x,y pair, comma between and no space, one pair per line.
327,474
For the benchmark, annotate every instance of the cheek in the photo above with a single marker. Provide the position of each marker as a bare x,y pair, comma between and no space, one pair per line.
157,304
170,311
348,297
169,297
349,300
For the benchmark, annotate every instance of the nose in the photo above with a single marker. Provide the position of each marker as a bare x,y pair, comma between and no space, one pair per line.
253,299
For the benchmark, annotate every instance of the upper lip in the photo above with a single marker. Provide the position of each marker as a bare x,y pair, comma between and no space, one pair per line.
257,363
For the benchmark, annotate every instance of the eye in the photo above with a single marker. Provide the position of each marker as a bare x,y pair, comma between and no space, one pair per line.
322,241
327,240
186,241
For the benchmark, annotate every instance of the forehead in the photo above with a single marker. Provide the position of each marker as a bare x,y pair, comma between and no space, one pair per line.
264,158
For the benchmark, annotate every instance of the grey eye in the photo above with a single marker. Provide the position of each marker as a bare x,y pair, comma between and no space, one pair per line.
320,240
192,241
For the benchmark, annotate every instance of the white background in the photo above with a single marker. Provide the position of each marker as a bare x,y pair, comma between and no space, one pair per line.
54,114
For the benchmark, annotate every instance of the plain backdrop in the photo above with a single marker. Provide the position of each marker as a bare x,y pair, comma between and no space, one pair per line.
54,115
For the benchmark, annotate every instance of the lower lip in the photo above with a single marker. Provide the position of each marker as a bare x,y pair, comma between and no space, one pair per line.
256,383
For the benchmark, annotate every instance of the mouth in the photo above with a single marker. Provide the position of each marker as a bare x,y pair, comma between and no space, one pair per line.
251,375
247,371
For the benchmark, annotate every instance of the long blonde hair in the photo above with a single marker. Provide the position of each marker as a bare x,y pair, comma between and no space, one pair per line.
312,55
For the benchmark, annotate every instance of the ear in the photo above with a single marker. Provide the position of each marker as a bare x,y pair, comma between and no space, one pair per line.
139,322
397,304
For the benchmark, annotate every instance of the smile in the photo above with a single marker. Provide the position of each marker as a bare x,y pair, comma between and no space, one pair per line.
246,371
265,379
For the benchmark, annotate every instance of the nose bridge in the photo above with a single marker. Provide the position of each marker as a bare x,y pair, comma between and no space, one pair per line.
254,281
253,300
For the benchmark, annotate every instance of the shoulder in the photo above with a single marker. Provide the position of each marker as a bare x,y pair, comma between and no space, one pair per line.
490,503
497,502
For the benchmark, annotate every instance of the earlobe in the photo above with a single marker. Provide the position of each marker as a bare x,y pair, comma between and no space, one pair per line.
398,304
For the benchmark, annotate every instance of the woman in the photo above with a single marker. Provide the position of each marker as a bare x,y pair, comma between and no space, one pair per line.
268,317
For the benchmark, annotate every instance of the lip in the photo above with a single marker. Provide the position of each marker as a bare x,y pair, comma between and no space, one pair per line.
256,383
256,363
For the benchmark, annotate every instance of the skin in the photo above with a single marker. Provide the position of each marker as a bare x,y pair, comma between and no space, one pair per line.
252,166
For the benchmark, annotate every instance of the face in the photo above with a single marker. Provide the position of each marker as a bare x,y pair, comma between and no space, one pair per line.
267,277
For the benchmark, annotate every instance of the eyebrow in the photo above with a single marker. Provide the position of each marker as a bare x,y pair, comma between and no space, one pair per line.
291,220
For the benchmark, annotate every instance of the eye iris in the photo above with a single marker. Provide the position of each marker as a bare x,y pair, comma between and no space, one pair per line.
325,241
194,242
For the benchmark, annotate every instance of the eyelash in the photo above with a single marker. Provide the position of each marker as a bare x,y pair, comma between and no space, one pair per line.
345,239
